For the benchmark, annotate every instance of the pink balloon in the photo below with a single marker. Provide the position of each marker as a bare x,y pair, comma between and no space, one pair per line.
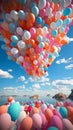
67,125
44,121
37,121
5,121
57,122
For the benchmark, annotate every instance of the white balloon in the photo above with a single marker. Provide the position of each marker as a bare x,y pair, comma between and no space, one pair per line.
21,44
42,4
53,25
35,62
67,3
21,116
20,59
49,11
14,14
27,35
19,30
58,14
45,29
14,51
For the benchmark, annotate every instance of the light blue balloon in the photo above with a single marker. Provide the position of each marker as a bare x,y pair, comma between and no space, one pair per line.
50,56
52,128
67,21
39,20
14,111
46,25
21,14
40,38
63,111
41,45
62,30
12,27
35,10
14,38
67,11
54,33
59,23
32,4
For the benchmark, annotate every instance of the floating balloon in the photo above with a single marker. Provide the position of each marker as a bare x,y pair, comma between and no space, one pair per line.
63,111
35,34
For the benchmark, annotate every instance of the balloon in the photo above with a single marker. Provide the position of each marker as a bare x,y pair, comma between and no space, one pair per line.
67,125
43,107
48,114
37,121
57,122
63,111
21,116
67,11
5,121
41,4
14,111
26,124
34,110
52,128
3,109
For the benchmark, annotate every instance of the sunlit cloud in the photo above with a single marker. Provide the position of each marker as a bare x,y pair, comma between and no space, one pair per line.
5,74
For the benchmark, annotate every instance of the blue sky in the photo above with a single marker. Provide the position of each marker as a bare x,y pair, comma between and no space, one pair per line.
59,77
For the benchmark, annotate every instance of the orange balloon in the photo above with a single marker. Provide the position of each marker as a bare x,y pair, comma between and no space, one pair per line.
34,110
3,109
70,113
26,124
56,7
48,114
64,41
39,31
10,99
51,49
30,18
22,23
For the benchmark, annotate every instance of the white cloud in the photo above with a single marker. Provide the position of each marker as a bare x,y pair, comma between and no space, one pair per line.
69,67
21,78
64,61
59,83
10,70
36,86
5,74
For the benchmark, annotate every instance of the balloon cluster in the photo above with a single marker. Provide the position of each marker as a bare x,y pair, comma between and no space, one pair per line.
34,34
36,116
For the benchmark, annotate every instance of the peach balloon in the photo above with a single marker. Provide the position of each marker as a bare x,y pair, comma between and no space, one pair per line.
26,124
48,114
3,109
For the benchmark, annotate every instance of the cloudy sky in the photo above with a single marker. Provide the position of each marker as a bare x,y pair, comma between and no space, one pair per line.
58,78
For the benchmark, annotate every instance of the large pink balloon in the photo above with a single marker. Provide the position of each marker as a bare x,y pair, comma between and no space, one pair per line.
67,125
57,122
37,121
5,121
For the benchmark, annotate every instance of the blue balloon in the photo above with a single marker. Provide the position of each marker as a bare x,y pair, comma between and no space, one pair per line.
14,38
13,44
14,111
12,27
52,128
40,38
67,11
49,56
62,30
35,10
21,14
22,1
39,20
54,33
63,111
67,21
41,45
59,23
